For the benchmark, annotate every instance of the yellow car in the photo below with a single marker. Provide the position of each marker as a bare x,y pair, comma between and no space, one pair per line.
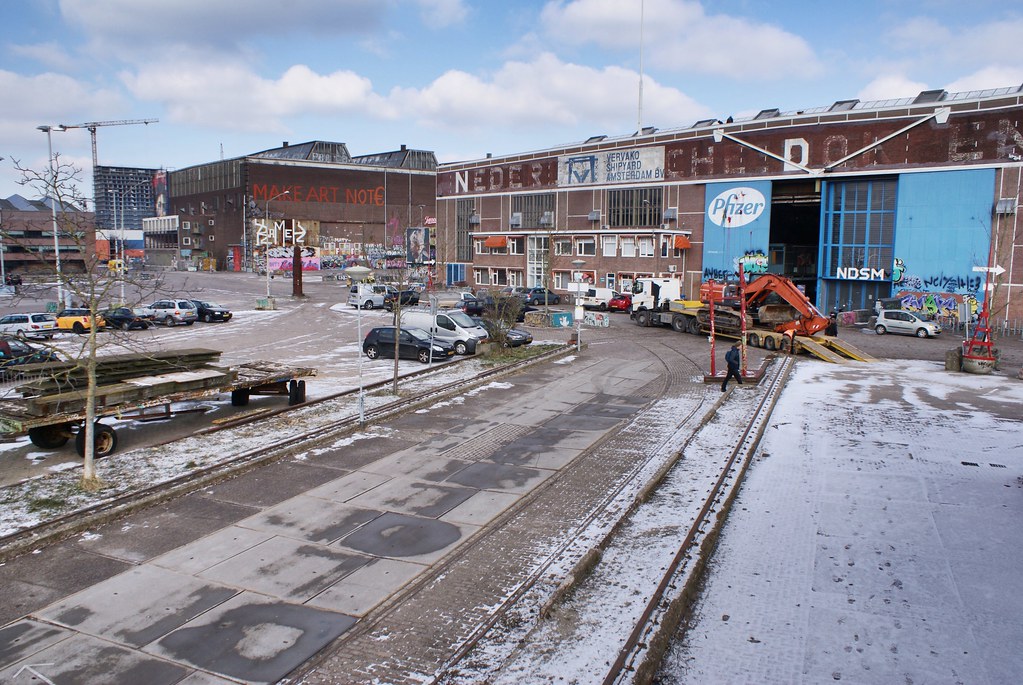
77,320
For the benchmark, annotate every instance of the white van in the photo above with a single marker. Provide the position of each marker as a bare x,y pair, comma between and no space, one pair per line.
597,298
450,325
367,295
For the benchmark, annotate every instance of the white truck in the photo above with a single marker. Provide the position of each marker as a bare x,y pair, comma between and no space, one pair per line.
597,298
367,295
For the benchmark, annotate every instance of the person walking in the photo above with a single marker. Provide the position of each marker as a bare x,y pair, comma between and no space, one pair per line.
733,359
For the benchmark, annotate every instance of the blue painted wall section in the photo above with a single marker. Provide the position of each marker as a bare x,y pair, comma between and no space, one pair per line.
736,226
942,231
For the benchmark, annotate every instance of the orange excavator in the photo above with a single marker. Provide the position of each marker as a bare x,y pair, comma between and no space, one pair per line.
797,314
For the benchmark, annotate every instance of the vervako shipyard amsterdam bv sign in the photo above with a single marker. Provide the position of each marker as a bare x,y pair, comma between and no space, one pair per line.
635,165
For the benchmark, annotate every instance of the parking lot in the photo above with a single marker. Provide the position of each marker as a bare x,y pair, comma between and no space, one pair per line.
319,330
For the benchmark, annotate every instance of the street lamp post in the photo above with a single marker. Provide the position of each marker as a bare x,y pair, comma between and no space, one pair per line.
358,274
578,264
53,210
267,250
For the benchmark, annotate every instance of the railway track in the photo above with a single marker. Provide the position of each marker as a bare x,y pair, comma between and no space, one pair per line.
613,625
347,420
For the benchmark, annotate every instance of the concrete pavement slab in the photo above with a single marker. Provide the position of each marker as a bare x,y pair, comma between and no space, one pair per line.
137,606
35,580
413,496
252,638
85,660
163,528
271,484
409,538
346,487
352,452
481,508
359,592
503,477
310,519
19,641
211,550
285,568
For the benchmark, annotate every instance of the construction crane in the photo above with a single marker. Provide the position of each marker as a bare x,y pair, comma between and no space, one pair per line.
91,126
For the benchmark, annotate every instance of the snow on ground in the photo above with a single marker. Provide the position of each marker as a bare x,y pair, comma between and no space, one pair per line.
33,502
876,538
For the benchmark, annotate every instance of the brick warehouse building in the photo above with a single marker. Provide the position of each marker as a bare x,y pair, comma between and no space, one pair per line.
340,209
854,201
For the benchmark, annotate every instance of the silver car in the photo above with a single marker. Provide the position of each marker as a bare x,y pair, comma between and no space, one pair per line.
905,322
37,325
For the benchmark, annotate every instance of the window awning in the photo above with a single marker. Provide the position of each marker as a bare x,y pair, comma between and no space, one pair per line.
496,241
682,243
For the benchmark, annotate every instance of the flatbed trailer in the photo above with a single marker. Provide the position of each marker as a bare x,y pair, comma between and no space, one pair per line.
52,409
686,316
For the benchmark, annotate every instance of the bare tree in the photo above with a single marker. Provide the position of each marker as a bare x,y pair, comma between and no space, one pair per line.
84,280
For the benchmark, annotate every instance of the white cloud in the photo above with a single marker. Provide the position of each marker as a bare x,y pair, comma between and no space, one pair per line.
50,98
441,13
129,27
988,77
51,55
546,92
891,87
207,95
679,35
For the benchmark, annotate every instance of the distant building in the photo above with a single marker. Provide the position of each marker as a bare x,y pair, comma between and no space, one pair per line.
337,207
855,201
26,231
124,197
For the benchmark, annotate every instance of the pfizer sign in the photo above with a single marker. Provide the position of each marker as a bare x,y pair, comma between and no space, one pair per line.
736,207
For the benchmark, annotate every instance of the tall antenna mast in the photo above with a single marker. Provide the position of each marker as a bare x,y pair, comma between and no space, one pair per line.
639,114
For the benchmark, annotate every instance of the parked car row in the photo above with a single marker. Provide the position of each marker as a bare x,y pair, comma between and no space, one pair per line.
79,319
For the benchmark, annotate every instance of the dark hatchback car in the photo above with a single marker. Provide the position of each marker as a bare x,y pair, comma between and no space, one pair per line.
540,296
125,319
211,311
413,343
14,352
513,337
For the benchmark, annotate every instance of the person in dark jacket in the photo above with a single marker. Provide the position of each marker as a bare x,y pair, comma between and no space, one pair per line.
733,359
832,328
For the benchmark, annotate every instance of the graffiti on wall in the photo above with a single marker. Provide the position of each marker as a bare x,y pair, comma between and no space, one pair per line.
754,263
937,305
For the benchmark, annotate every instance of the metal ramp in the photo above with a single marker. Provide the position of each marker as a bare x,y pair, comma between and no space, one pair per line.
845,348
812,346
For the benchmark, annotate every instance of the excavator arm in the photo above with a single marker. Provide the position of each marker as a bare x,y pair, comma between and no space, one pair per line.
810,319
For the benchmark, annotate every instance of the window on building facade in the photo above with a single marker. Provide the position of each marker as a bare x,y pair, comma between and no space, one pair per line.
516,246
537,211
609,280
463,230
586,247
481,247
499,277
481,276
646,247
563,247
859,233
628,247
562,279
609,245
515,277
634,207
537,261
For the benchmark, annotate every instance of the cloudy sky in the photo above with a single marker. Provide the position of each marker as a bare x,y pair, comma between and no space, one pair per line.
459,77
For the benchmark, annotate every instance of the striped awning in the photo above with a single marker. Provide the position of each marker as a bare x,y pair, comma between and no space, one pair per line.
496,241
682,243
